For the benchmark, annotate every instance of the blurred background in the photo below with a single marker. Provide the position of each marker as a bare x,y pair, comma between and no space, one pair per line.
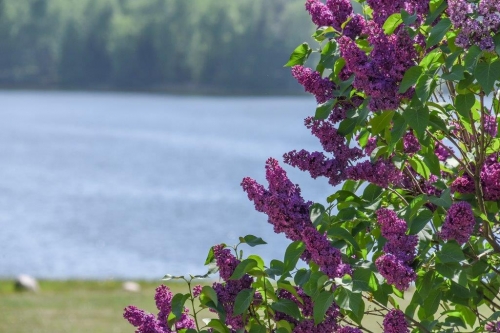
128,125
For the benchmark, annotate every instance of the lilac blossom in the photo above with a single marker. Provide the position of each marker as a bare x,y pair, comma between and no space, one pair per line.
381,173
395,271
197,290
289,214
395,322
313,83
348,329
490,178
441,152
225,260
490,125
320,14
148,323
492,327
459,223
410,143
463,184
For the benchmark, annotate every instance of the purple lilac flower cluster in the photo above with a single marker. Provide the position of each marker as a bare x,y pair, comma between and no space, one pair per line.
441,152
395,322
410,143
227,291
399,250
313,83
289,213
334,14
490,125
459,223
306,306
316,163
382,9
147,323
478,22
490,180
380,73
381,173
493,327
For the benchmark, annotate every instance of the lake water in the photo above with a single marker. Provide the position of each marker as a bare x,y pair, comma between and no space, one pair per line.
110,185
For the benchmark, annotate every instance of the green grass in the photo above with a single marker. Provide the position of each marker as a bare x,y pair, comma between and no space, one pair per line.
86,306
73,306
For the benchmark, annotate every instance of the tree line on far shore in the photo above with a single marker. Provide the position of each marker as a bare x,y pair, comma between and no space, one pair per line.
222,46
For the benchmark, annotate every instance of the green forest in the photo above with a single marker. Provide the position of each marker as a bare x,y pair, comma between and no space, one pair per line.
179,46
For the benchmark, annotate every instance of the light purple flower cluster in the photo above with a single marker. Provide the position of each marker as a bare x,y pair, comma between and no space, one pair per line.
478,22
348,329
289,213
334,14
380,72
400,248
410,143
441,152
381,173
306,325
395,322
197,290
493,327
227,291
459,223
147,323
382,9
490,180
490,125
321,88
316,163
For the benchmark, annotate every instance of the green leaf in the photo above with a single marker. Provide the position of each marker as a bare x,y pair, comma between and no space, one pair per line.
324,109
328,56
243,267
178,304
471,58
450,253
252,240
381,121
210,293
438,32
392,23
410,78
316,212
218,326
371,192
431,303
418,119
464,103
486,75
456,73
432,162
353,302
420,167
419,222
363,280
299,55
443,201
467,314
256,328
425,87
210,256
321,304
287,307
496,39
292,254
344,234
398,130
302,276
243,301
347,126
436,13
407,18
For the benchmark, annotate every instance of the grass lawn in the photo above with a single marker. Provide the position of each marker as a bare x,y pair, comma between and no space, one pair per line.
73,306
84,306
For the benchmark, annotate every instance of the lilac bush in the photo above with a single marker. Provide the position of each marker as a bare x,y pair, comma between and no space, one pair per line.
407,113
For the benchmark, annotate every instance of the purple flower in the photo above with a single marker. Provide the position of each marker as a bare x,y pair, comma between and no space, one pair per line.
463,184
490,178
226,262
410,143
493,327
320,14
147,323
226,295
441,152
313,83
395,271
459,223
381,173
348,329
395,322
289,214
197,290
490,125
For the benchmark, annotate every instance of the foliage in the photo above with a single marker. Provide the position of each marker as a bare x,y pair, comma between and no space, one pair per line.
149,44
407,118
